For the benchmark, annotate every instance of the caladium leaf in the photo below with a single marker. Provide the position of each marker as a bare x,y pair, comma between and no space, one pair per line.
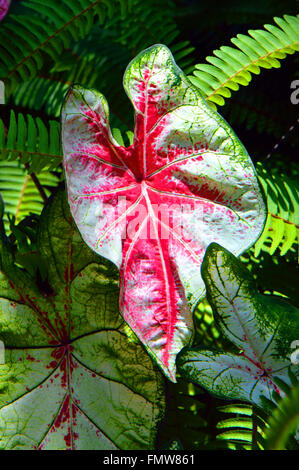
262,327
152,208
71,379
4,6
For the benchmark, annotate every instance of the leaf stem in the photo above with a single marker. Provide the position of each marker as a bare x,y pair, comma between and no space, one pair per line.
37,183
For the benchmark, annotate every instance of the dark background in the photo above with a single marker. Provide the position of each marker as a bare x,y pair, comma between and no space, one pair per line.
261,113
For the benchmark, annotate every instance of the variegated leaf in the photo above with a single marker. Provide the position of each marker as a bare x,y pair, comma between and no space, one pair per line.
154,207
69,376
262,327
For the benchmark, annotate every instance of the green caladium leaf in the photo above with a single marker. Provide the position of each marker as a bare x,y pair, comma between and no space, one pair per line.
4,6
152,208
71,379
262,327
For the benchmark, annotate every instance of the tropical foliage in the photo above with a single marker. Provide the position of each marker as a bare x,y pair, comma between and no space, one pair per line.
76,312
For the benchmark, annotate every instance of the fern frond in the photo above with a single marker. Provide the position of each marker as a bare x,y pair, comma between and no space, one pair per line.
97,62
282,225
45,30
242,429
100,59
284,419
230,67
21,196
29,140
145,26
41,93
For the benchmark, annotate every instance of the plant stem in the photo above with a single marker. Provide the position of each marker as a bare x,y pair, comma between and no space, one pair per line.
37,183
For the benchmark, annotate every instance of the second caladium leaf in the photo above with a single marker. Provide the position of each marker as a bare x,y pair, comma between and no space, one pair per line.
263,328
154,207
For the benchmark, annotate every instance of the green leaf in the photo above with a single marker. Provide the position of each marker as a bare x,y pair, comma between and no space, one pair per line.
261,326
71,378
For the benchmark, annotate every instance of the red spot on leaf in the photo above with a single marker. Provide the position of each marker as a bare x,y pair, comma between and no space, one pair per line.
52,365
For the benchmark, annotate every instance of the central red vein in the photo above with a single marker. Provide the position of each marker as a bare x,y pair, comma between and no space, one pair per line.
166,277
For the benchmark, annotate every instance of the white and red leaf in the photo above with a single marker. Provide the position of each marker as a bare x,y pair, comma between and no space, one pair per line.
154,207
